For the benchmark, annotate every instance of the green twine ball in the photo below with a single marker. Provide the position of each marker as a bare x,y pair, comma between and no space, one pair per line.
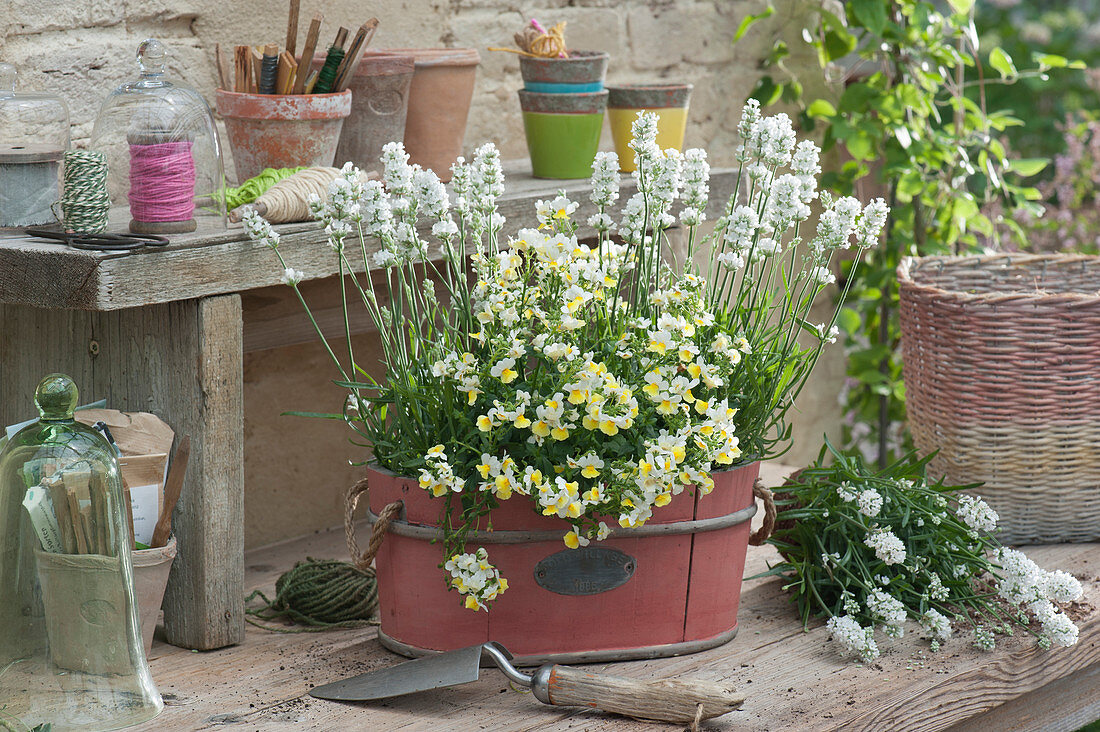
323,593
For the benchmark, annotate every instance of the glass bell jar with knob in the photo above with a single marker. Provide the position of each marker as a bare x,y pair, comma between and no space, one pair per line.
71,652
164,158
34,135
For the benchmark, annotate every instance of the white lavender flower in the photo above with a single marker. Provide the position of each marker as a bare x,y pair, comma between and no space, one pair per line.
976,513
936,589
731,261
822,276
292,276
772,140
805,165
377,215
259,229
887,610
856,639
1020,577
846,492
870,225
430,194
785,206
644,144
1060,586
696,175
605,179
746,128
888,547
396,171
936,624
984,639
870,502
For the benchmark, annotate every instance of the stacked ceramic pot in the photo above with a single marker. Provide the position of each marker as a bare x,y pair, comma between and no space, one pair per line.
669,101
563,102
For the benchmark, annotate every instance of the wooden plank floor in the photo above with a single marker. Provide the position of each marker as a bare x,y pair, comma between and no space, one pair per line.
793,680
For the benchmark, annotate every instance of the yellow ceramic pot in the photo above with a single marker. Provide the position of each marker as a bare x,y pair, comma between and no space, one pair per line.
668,101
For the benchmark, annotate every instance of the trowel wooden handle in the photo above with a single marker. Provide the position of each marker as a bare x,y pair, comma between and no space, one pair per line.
665,700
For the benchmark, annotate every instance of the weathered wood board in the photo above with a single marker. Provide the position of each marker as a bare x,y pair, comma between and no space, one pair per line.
179,360
212,261
793,680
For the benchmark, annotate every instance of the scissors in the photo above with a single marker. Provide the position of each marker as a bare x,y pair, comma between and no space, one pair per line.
100,242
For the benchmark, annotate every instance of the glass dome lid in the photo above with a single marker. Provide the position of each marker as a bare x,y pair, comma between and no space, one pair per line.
163,153
71,651
29,120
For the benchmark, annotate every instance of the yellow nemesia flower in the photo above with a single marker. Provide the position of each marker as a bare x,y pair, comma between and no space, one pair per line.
559,434
507,376
484,423
609,428
571,540
662,499
521,421
541,429
590,471
472,603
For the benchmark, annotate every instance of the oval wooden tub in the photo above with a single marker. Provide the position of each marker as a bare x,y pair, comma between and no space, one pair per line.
668,588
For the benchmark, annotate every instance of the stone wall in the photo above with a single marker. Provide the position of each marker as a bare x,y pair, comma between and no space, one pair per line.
296,469
82,49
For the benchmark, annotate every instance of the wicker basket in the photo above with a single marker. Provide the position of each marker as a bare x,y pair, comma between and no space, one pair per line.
1002,372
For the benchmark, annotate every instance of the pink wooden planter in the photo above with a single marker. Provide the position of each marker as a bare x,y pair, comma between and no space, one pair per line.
681,596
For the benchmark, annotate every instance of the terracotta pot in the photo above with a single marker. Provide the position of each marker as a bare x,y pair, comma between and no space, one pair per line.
668,101
669,588
439,104
563,132
151,568
582,71
379,107
282,130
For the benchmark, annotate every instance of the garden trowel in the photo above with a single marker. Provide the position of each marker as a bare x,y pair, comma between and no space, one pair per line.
667,700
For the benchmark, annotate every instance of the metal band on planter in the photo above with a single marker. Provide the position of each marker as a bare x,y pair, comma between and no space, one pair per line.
402,528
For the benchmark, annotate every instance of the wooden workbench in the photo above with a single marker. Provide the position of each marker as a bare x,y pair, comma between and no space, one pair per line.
793,680
163,330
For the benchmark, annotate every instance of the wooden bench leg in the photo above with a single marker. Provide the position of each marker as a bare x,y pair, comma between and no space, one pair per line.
182,361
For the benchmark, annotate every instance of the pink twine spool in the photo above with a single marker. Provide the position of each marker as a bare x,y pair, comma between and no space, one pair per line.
162,182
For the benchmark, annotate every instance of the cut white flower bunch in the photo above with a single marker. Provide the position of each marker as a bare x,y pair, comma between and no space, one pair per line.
595,379
873,550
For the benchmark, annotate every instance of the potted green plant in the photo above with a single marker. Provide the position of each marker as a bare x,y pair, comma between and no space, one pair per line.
589,411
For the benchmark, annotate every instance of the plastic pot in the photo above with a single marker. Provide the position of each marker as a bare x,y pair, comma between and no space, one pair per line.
563,132
582,71
282,130
439,104
668,101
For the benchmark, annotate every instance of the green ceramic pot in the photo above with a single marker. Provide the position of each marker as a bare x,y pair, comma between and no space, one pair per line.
563,132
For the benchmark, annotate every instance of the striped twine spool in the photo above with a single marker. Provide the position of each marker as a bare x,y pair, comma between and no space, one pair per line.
85,203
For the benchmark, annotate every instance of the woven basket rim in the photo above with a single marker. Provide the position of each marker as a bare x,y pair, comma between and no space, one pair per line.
909,265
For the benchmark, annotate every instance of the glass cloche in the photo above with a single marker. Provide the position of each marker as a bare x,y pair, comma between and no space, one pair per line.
34,135
71,652
163,154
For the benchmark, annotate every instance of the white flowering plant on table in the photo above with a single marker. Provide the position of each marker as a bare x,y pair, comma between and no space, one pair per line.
873,550
595,379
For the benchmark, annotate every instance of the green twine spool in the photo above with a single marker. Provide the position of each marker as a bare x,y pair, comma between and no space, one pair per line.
327,76
320,594
85,204
254,187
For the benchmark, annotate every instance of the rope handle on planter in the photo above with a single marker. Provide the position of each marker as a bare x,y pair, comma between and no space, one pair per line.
761,535
363,560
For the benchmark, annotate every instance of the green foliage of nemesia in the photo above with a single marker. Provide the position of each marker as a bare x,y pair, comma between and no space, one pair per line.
873,549
589,380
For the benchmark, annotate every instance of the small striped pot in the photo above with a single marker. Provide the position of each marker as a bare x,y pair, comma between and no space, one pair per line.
582,72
